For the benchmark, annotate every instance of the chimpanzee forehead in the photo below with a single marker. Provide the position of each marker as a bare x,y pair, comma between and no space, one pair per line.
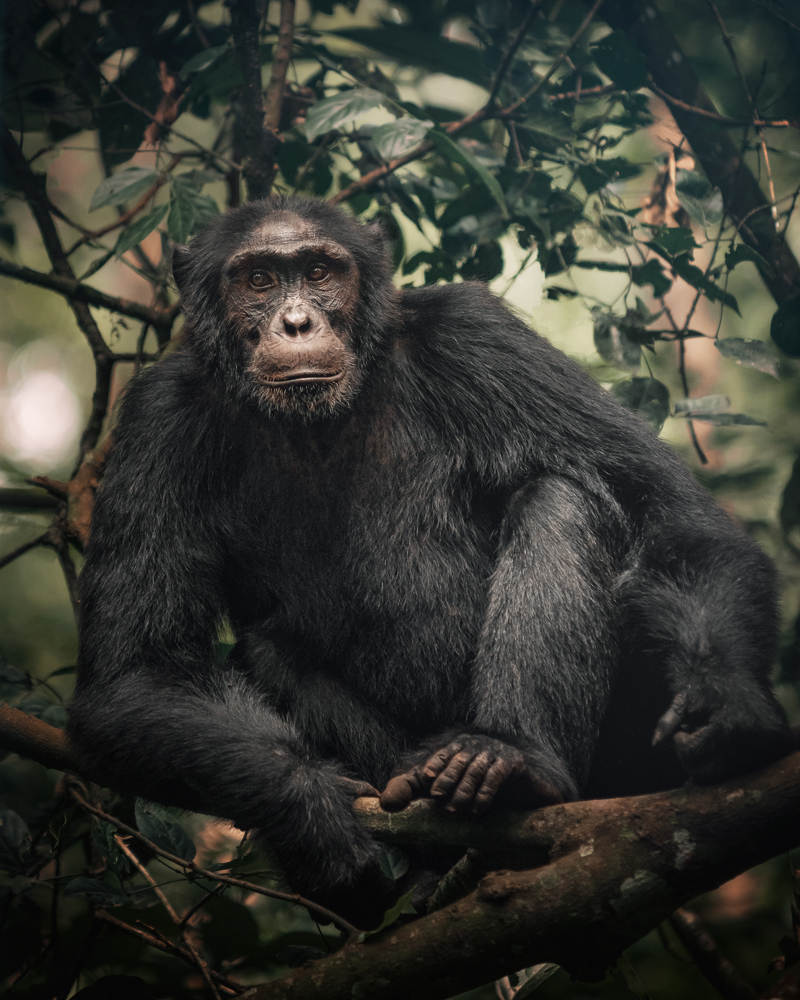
289,236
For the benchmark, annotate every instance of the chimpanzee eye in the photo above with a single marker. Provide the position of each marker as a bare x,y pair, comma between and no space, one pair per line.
260,279
318,273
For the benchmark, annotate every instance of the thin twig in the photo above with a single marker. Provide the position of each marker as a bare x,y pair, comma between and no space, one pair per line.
329,916
22,549
680,337
164,944
505,62
78,293
575,95
201,964
705,953
750,100
196,25
722,119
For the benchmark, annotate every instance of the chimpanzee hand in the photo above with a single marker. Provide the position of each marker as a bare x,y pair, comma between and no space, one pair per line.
467,775
325,853
716,738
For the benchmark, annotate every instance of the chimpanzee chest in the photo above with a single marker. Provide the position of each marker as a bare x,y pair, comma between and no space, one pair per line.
370,573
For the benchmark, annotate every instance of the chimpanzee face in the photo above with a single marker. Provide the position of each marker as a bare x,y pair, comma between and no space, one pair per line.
290,294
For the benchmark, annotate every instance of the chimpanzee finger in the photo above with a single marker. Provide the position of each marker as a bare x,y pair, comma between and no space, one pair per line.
359,788
470,782
402,790
671,720
498,773
439,761
452,774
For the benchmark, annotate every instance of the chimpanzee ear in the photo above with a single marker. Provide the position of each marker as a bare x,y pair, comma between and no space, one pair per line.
380,239
181,256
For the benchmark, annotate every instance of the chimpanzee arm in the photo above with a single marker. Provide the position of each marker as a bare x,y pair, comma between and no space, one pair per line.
152,713
700,600
542,672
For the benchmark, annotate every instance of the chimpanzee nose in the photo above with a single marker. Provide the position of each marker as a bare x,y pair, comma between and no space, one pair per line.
296,322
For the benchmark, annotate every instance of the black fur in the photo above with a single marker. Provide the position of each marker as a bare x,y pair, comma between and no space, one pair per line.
480,541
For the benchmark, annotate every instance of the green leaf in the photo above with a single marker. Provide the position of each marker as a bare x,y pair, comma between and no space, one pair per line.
651,273
646,396
15,677
785,327
486,263
673,239
743,252
395,138
123,186
403,905
440,266
750,353
95,891
596,175
13,832
452,150
340,109
613,343
62,671
203,60
531,979
182,216
702,201
132,235
103,839
558,257
702,404
692,274
415,47
156,823
621,61
393,862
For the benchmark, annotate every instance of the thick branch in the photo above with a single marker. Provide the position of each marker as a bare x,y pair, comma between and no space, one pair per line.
25,499
714,147
30,737
72,289
257,124
280,65
607,872
618,869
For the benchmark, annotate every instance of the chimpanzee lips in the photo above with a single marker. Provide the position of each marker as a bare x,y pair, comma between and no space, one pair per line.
303,378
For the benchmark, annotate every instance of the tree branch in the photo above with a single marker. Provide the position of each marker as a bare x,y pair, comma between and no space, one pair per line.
713,147
280,65
603,874
72,289
258,123
617,869
705,954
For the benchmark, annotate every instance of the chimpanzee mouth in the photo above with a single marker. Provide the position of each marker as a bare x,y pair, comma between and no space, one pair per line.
304,378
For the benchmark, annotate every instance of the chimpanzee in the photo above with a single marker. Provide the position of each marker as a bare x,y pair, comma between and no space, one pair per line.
454,565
